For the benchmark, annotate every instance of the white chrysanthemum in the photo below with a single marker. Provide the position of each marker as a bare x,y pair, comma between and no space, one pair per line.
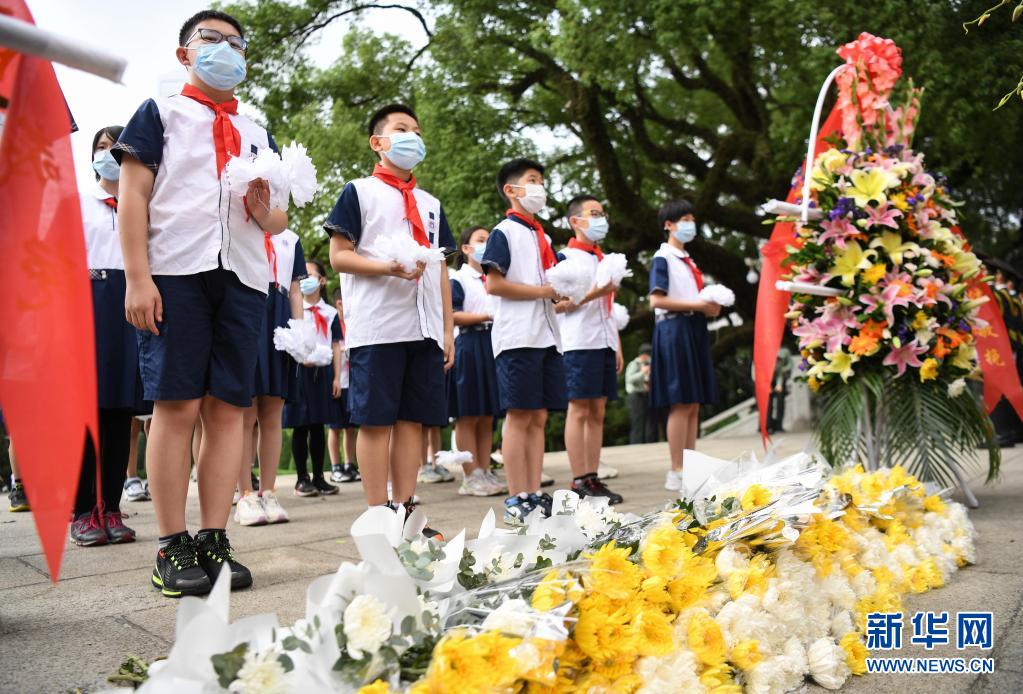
838,590
729,560
676,672
744,619
367,625
841,624
956,388
511,617
262,674
826,661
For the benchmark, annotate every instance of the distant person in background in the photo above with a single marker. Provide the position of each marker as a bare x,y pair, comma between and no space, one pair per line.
779,391
17,497
642,427
342,428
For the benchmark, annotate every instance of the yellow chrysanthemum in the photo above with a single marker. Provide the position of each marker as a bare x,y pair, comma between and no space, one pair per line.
855,653
663,551
929,370
755,496
612,574
753,578
934,504
706,640
653,631
378,687
746,655
471,663
718,678
605,635
556,588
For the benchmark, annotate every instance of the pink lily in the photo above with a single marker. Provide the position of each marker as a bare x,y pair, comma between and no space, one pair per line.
839,230
873,302
906,355
883,216
932,290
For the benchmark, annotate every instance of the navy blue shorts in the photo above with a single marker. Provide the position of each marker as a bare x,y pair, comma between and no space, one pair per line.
340,419
399,381
531,378
208,339
591,374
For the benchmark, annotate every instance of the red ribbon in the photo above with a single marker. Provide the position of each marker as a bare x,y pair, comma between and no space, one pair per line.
271,255
111,203
594,250
995,356
547,257
319,319
408,196
226,139
697,275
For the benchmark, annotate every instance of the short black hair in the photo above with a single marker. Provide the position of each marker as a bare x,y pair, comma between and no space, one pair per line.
575,205
378,118
463,238
111,131
319,266
673,210
188,28
512,172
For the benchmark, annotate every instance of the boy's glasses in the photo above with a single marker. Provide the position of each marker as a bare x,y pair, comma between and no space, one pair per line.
214,36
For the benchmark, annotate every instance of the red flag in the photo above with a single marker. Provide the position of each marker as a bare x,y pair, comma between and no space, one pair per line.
769,323
994,353
47,353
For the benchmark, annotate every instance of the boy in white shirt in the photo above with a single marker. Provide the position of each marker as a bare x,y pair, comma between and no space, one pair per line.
196,268
400,334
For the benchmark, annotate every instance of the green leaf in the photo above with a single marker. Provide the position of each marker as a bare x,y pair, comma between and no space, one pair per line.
228,665
286,662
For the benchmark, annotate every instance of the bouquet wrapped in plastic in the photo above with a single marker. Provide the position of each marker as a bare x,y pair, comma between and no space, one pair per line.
404,250
612,270
719,294
290,173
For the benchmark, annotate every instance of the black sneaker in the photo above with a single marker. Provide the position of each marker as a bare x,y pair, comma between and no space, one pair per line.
337,474
305,488
19,502
352,471
592,486
87,530
544,502
177,570
427,531
324,487
517,509
214,551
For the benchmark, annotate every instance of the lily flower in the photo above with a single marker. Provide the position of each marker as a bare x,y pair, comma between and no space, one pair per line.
891,242
882,216
870,185
850,261
905,355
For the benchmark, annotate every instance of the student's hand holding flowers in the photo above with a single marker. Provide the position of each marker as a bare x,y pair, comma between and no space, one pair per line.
396,270
547,292
143,305
258,200
710,309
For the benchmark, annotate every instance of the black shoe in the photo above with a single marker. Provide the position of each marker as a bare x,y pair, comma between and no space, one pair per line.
19,502
87,530
305,488
543,502
324,487
592,486
352,471
214,552
177,570
427,531
337,474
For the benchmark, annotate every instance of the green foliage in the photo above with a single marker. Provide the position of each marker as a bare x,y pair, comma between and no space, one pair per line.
132,672
228,665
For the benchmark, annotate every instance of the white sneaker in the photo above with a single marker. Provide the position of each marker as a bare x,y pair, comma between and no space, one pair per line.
134,490
498,483
673,481
431,473
477,484
249,511
606,472
272,508
237,496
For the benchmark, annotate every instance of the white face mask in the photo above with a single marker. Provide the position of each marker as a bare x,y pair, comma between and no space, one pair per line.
535,198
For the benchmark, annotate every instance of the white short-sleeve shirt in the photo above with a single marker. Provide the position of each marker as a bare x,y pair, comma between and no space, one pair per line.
591,326
669,266
99,222
476,300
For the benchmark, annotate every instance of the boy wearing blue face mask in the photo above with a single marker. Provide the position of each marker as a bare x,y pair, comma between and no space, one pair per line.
196,266
399,335
681,372
593,355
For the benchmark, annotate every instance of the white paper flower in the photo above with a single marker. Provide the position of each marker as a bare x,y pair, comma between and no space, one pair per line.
826,661
262,674
612,270
367,625
571,279
620,315
300,172
403,249
719,294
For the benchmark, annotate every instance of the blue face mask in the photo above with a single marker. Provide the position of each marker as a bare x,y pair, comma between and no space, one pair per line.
309,285
219,65
407,150
685,231
477,252
597,229
106,166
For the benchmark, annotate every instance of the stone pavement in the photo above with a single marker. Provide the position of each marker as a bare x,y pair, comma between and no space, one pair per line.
55,638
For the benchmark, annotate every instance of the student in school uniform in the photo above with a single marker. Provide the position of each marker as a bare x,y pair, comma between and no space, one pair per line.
274,372
400,333
315,403
525,336
99,522
195,263
593,352
474,399
681,372
342,431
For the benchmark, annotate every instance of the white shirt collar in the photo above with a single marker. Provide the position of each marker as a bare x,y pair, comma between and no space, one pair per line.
668,248
96,190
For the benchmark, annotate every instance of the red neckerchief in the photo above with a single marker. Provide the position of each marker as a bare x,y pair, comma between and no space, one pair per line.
547,257
226,139
409,198
594,250
111,203
697,275
319,319
271,255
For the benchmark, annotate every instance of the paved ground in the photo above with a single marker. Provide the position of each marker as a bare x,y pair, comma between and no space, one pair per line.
71,635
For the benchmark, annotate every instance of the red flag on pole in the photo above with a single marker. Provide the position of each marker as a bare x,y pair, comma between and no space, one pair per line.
994,353
769,323
47,353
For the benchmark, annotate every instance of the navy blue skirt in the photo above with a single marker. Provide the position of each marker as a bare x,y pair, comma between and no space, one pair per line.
681,371
341,418
118,385
473,379
312,402
275,370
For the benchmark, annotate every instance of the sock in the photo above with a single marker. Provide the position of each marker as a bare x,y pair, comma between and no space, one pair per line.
167,540
206,532
523,495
